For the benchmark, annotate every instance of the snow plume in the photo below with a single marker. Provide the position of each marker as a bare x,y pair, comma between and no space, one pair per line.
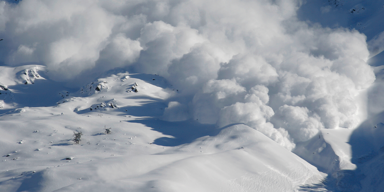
376,45
250,62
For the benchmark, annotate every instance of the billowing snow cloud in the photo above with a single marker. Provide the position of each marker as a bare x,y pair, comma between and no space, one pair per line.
250,62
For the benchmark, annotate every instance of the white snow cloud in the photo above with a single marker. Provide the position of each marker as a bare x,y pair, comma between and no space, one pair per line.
176,112
250,62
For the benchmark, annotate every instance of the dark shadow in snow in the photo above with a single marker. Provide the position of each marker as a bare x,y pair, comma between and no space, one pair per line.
97,134
64,143
31,182
337,13
341,181
367,145
42,93
315,187
61,144
6,111
181,132
147,108
14,2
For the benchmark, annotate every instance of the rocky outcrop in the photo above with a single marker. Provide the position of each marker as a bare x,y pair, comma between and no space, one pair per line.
28,76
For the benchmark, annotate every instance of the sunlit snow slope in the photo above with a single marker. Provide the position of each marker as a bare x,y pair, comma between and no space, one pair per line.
142,152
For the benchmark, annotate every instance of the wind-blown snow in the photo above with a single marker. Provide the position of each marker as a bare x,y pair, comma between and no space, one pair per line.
250,62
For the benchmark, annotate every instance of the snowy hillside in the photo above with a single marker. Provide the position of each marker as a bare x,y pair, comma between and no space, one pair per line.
142,152
263,95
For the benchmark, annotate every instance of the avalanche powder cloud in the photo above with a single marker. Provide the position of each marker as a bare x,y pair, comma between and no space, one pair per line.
234,61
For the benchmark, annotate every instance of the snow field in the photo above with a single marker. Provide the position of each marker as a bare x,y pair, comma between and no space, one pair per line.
38,153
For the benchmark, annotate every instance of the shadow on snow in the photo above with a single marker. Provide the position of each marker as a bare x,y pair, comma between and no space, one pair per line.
42,93
182,132
29,181
367,146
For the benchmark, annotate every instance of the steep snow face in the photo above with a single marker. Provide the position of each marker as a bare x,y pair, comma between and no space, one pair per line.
329,151
365,16
353,158
362,15
139,152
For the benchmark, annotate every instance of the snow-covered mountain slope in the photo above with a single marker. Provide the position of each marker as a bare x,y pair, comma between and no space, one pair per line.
329,151
142,152
358,157
251,81
352,157
367,148
362,15
26,86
